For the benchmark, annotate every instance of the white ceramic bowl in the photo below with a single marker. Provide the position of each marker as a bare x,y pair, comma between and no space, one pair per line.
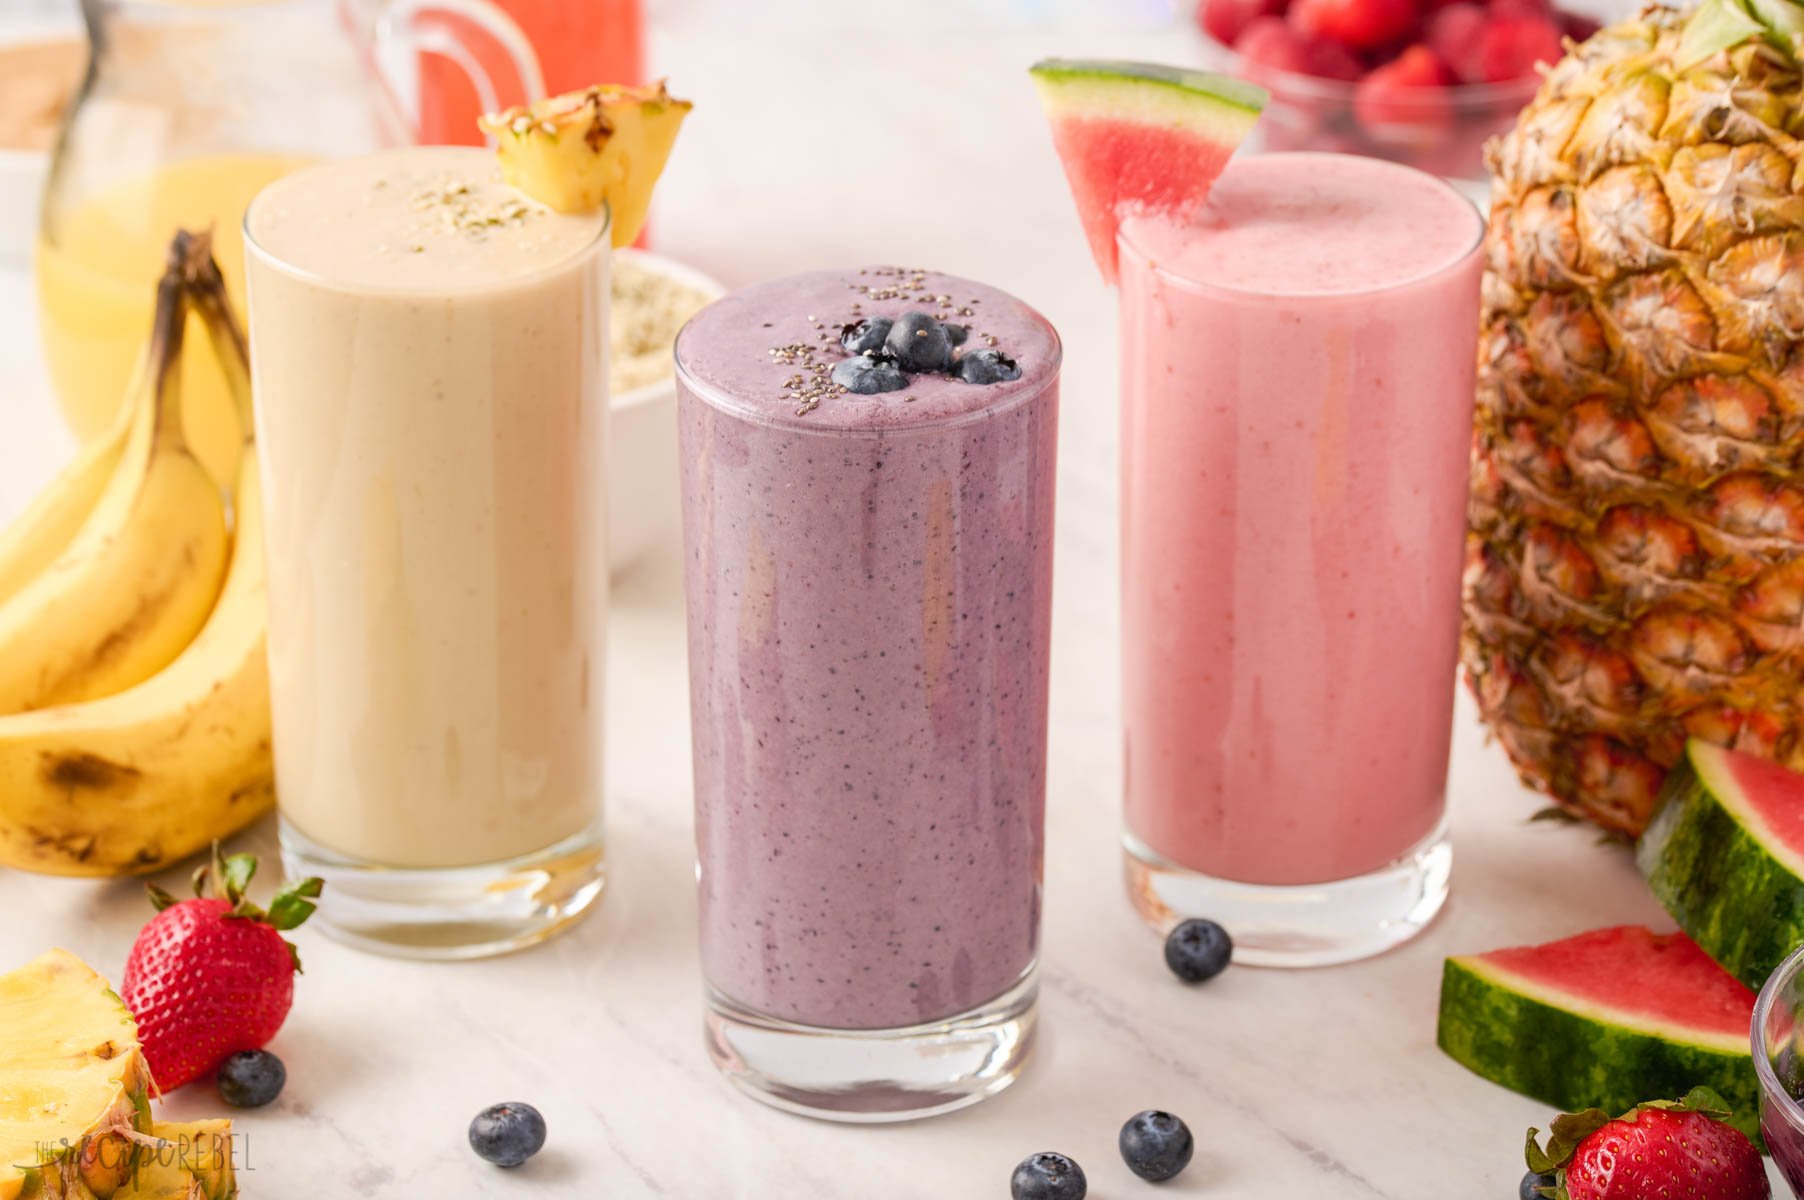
644,487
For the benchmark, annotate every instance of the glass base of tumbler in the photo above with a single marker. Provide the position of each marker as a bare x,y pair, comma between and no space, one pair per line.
875,1075
450,912
1299,925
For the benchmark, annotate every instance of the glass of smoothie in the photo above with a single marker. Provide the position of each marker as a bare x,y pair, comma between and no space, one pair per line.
868,462
1779,1066
1297,387
429,361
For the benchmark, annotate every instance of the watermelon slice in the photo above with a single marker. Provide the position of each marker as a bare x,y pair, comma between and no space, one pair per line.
1725,854
1605,1020
1141,138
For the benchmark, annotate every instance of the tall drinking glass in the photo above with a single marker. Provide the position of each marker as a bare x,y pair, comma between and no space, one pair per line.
1297,386
429,357
869,587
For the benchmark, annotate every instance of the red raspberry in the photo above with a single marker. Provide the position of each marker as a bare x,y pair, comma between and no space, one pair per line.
1511,44
1453,35
1407,96
1357,24
1226,20
1271,44
1331,60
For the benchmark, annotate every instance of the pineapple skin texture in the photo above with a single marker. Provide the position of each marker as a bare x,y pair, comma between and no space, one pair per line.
1635,554
195,1164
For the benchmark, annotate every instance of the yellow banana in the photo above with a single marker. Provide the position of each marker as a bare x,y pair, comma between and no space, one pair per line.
134,781
44,530
137,582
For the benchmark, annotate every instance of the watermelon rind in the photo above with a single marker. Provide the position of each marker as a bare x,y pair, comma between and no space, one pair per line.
1721,873
1153,88
1571,1056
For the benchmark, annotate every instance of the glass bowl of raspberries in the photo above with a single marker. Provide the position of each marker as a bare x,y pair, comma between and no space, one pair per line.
1423,82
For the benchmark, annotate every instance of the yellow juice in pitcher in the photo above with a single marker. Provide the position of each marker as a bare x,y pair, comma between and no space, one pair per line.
97,267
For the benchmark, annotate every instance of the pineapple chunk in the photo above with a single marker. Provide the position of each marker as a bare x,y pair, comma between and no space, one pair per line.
193,1163
73,1082
575,151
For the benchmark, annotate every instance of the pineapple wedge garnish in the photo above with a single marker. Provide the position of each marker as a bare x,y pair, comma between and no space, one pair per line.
575,151
194,1162
74,1086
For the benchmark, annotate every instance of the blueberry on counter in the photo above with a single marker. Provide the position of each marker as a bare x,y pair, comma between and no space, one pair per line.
868,376
865,337
987,366
251,1078
1533,1183
919,343
1156,1145
1198,950
1048,1176
507,1134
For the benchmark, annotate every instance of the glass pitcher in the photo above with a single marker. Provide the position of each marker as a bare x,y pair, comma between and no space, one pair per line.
189,107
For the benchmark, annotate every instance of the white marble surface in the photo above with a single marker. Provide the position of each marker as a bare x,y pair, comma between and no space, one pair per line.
907,134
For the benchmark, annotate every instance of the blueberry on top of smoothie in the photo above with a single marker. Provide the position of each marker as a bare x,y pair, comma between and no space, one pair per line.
865,336
986,366
837,340
867,375
919,343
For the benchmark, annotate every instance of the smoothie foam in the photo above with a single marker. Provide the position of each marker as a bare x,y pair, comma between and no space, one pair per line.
1297,391
869,589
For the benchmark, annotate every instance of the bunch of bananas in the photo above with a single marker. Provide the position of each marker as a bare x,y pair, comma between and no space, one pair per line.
134,694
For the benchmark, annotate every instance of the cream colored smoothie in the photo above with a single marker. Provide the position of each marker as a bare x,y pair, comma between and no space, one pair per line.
430,378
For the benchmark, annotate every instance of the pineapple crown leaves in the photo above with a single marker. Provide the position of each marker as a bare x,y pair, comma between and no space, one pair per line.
1720,25
228,878
1570,1129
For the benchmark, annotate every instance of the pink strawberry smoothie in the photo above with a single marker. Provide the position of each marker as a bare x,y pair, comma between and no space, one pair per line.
1297,406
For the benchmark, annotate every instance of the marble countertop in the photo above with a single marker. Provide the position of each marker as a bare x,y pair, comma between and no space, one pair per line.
804,152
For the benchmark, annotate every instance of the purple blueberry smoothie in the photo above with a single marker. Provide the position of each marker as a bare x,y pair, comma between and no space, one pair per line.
869,589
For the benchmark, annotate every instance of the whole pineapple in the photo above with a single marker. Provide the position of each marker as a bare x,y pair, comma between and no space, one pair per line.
1635,570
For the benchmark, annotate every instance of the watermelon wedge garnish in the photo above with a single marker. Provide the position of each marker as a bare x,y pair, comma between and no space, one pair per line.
1140,138
1725,854
1605,1020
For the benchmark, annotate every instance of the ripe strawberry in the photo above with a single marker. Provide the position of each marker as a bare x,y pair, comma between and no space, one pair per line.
1331,60
1226,20
1662,1148
211,976
1453,34
1405,100
1511,44
1268,42
1358,24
